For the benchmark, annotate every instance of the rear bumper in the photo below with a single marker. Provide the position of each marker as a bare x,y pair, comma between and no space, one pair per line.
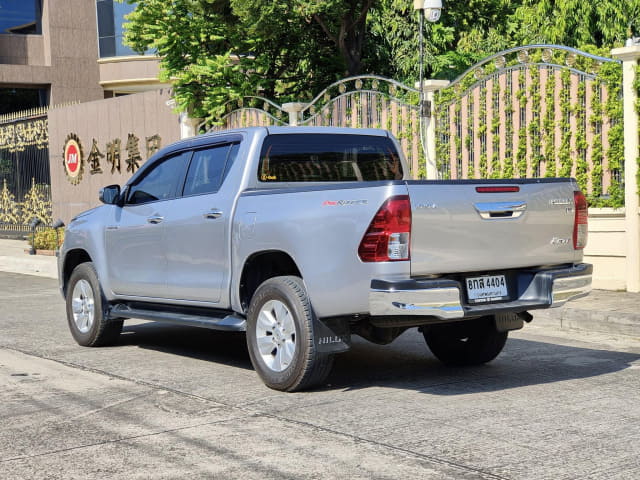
445,299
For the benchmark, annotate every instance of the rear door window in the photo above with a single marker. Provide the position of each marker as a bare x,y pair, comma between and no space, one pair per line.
208,168
328,158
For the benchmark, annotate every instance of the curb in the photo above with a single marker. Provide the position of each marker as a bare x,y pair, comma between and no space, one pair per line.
42,266
607,312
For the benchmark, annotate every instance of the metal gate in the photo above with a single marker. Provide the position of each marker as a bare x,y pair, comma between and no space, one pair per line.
536,111
25,179
366,101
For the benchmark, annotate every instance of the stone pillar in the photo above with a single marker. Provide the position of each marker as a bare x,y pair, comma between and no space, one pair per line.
629,56
429,124
295,112
188,125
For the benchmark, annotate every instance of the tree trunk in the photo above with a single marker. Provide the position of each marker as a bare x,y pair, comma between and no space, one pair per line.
350,39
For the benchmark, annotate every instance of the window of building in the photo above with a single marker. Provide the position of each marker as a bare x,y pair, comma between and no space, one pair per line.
18,99
20,16
110,15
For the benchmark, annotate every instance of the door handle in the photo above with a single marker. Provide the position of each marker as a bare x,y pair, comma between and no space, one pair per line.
155,219
212,214
497,210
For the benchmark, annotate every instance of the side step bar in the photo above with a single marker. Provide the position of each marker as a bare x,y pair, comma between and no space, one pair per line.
230,323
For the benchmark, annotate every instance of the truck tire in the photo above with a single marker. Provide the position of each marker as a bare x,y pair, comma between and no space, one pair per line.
280,336
86,312
467,343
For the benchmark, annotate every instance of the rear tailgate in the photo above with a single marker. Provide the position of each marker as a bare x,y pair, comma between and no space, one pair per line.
455,228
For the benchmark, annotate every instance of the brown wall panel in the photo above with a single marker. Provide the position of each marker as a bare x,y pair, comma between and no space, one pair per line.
143,115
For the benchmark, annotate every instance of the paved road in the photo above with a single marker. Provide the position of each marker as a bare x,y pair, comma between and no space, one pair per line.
171,402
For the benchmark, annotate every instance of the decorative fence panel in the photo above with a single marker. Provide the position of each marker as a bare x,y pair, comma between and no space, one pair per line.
25,180
360,102
251,112
536,111
370,101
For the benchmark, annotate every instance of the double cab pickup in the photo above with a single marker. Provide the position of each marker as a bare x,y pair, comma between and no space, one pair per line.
303,237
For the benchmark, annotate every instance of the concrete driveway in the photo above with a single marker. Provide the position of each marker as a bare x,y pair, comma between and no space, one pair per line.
171,402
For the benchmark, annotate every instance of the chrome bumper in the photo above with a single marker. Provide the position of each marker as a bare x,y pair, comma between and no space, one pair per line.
566,289
444,299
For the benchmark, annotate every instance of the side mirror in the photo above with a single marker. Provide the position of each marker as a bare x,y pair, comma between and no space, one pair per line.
110,194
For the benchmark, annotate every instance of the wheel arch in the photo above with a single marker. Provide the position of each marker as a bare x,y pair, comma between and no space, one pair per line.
72,259
261,266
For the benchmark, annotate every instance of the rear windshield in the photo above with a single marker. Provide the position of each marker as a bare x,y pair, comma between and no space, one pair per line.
328,158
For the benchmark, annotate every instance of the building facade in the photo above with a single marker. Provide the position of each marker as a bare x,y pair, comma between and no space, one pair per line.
62,51
62,63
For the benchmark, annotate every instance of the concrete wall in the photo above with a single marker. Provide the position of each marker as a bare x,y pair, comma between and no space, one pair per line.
22,50
607,247
142,114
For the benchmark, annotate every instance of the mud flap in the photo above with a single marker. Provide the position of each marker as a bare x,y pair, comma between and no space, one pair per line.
506,322
332,335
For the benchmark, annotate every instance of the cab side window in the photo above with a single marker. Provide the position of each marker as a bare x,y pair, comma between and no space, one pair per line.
208,168
161,182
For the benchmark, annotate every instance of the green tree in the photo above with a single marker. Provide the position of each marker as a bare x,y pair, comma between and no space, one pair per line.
576,23
199,50
214,51
469,31
466,32
344,22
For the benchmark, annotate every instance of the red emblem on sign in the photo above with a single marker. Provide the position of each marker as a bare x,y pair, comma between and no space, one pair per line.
72,159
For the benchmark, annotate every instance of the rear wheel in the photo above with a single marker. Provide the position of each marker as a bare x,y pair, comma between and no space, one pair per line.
466,343
280,336
86,313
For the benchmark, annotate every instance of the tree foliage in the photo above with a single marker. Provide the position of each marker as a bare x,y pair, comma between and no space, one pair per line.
576,23
214,51
466,32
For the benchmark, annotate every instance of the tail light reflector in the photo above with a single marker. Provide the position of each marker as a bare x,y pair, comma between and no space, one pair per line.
388,236
581,222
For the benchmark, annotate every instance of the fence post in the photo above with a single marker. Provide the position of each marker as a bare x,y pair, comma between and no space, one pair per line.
294,110
429,124
629,56
188,125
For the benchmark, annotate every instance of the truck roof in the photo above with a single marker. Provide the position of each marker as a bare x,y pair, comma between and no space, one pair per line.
202,140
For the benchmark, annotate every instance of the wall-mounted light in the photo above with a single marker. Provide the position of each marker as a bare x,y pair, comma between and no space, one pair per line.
432,9
33,224
57,225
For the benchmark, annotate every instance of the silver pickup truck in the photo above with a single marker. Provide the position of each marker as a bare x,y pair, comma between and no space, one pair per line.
303,237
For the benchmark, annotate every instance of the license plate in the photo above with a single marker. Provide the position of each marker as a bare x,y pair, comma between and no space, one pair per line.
490,288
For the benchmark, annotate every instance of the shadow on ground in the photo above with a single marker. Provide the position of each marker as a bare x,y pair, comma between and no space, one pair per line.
227,348
407,363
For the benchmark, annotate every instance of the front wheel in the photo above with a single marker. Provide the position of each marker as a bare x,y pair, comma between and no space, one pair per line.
86,313
280,336
466,343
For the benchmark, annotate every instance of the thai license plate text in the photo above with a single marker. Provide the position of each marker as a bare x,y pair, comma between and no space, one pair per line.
489,288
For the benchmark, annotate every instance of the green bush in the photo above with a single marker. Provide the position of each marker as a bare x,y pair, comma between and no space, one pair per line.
46,239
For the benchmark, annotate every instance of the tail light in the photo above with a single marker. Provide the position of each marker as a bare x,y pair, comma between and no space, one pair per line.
581,222
389,234
513,189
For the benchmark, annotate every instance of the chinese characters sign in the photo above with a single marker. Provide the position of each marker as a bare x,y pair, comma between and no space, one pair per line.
73,158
